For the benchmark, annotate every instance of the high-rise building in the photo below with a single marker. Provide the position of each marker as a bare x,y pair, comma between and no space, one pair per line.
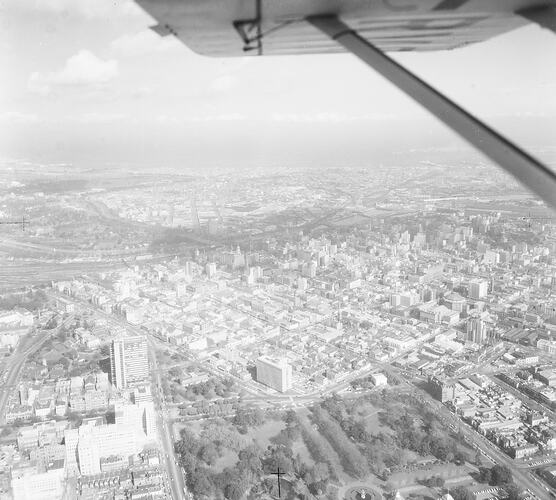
309,269
96,442
476,330
275,373
478,289
395,299
211,269
129,362
234,259
479,329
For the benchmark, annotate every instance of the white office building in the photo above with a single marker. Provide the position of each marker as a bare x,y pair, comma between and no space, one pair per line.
275,373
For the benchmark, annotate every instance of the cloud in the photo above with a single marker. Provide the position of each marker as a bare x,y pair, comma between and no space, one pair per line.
143,42
223,117
81,69
331,117
224,83
89,9
140,92
17,117
101,117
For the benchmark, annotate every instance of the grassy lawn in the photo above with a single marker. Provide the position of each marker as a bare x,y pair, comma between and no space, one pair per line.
263,433
299,447
326,449
228,459
369,414
194,426
445,471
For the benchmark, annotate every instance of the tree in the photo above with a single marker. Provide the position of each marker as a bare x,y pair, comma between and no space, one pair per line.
75,418
501,475
188,462
514,491
335,406
485,475
258,417
460,457
62,334
250,458
389,487
6,431
434,482
200,484
352,460
300,489
290,417
461,493
52,323
280,457
248,418
188,443
208,453
65,362
236,489
320,472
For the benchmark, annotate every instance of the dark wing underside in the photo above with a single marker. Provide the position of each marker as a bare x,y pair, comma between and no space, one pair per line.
207,26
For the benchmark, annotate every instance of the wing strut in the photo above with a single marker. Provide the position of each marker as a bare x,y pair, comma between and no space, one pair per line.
530,172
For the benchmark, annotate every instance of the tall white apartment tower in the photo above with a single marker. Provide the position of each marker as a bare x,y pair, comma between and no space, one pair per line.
275,373
129,362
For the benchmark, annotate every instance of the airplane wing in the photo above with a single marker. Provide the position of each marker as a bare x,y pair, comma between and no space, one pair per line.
235,27
369,29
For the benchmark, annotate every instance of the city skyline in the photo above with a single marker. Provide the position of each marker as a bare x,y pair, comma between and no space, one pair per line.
430,299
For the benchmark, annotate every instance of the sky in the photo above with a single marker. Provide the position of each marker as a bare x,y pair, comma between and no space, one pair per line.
86,81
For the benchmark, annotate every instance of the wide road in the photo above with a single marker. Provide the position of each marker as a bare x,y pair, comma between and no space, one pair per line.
177,482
